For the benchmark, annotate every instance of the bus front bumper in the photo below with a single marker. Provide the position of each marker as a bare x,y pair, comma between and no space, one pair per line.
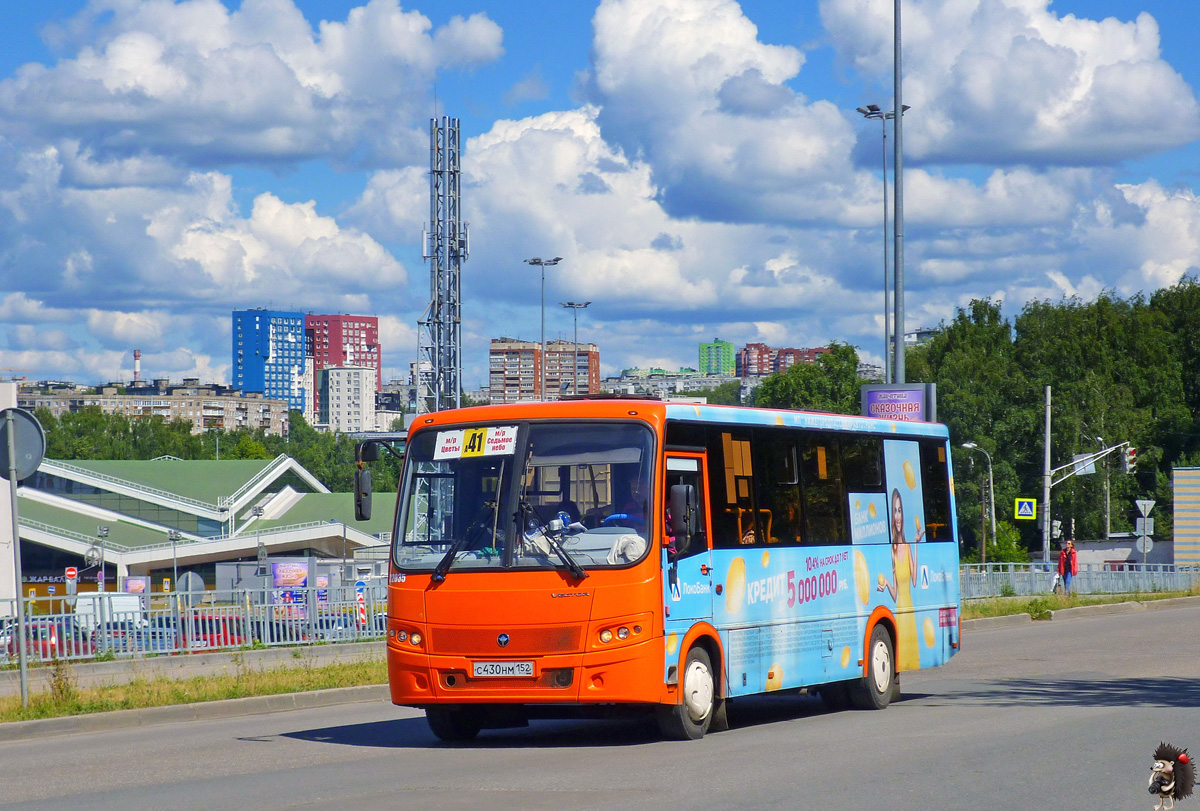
627,674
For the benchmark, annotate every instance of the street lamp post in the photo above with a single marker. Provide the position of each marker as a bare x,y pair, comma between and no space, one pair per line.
1107,504
575,307
175,536
101,533
971,446
543,264
873,112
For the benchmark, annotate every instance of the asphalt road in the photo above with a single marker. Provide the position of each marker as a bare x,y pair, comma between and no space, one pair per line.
1060,715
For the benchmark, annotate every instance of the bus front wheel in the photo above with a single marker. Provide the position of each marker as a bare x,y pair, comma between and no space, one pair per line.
874,691
454,724
690,718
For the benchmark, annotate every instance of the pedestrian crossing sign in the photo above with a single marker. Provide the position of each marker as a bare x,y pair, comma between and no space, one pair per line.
1026,508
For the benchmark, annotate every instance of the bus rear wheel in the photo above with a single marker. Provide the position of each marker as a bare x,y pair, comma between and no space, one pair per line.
690,718
874,691
454,724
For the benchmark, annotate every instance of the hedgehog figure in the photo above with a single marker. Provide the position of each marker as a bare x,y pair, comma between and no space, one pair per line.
1172,776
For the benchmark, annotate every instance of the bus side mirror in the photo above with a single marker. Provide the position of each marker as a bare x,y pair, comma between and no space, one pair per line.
367,451
362,494
683,512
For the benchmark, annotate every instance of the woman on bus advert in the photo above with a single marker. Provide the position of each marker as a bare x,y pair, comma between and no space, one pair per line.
904,574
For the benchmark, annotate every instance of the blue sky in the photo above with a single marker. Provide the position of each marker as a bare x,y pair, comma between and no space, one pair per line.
697,163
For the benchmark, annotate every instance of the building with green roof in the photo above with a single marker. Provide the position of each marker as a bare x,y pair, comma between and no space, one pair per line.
155,518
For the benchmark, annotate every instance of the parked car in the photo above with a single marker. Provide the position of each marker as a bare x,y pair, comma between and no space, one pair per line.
280,632
123,636
379,625
48,639
161,635
334,627
201,631
112,606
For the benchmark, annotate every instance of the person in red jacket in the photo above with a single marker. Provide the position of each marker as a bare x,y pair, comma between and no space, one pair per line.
1068,565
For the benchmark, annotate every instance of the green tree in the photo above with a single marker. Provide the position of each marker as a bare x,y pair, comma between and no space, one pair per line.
1006,546
831,384
983,398
729,393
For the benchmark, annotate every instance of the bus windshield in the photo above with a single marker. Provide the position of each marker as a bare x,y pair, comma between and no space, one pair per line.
572,495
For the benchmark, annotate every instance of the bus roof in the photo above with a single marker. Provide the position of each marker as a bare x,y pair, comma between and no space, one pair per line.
817,420
658,411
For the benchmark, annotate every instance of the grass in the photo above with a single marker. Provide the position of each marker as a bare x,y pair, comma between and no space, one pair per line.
64,697
1039,607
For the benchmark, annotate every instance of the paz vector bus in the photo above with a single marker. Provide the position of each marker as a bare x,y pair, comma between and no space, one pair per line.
559,558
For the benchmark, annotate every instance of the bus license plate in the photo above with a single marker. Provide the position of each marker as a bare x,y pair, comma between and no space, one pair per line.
509,669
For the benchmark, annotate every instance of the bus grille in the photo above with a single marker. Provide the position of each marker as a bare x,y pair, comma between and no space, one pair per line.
522,641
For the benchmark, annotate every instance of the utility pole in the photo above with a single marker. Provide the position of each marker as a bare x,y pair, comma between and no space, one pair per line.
1045,485
898,163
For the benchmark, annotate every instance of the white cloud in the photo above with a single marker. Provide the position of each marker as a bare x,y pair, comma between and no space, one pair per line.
19,308
1152,241
531,88
687,85
116,328
194,81
1011,81
26,336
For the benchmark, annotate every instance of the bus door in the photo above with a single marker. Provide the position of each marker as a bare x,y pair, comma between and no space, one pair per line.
687,556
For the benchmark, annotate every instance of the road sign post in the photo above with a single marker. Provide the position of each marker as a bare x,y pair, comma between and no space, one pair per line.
360,596
24,443
1025,509
1145,505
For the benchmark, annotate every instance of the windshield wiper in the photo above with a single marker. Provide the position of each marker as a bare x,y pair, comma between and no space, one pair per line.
480,522
531,525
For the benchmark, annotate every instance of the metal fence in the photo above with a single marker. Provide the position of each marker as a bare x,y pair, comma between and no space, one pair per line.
1029,579
166,624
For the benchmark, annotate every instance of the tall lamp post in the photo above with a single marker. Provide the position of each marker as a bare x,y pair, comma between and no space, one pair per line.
543,264
175,536
101,534
1107,503
971,446
575,307
873,112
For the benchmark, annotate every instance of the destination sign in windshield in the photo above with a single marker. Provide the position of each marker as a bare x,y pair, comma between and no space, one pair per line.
497,440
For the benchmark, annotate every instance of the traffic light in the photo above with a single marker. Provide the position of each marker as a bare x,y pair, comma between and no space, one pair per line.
1130,459
1056,528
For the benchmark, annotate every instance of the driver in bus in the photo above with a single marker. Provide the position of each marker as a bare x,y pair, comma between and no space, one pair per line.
630,509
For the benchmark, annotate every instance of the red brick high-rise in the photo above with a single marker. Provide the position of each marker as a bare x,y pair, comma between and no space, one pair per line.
342,340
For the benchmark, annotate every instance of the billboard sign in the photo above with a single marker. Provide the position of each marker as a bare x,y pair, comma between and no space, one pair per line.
904,402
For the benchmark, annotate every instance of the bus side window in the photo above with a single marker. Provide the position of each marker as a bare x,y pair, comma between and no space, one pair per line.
935,486
730,489
862,464
780,515
823,490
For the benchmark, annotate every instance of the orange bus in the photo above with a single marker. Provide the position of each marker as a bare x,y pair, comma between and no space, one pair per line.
551,558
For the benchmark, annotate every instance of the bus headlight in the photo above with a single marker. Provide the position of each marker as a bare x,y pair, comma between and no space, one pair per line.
606,636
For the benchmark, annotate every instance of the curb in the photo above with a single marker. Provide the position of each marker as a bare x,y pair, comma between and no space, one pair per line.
1097,610
207,710
1128,607
986,623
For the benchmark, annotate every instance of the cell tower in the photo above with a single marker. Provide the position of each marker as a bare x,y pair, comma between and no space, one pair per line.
446,245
